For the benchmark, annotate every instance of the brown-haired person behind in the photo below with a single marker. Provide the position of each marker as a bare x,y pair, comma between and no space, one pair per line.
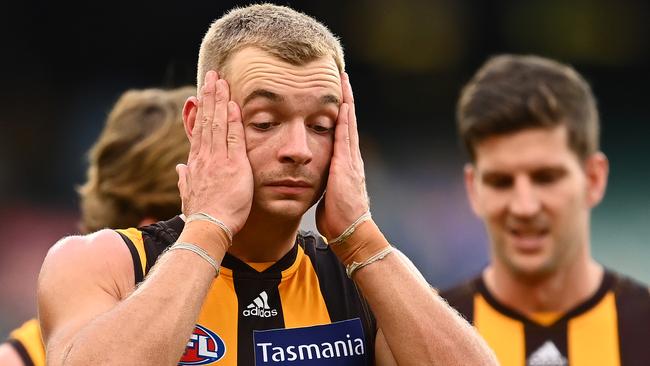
531,128
131,181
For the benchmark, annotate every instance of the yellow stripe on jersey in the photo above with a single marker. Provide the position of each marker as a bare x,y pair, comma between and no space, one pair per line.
29,335
503,334
136,238
219,313
545,318
593,336
302,301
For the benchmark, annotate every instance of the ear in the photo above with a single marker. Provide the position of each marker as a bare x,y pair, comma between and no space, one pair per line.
470,187
597,171
189,115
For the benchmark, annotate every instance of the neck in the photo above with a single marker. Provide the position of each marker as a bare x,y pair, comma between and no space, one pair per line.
264,238
561,291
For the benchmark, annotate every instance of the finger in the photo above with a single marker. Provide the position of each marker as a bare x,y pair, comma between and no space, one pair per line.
353,131
195,140
219,121
236,139
206,106
341,133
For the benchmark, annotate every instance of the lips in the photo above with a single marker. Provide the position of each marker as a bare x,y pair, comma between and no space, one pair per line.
528,239
289,187
289,183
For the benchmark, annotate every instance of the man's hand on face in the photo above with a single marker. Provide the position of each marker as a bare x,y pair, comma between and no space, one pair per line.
346,198
217,179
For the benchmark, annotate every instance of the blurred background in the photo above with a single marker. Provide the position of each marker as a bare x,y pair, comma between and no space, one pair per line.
63,66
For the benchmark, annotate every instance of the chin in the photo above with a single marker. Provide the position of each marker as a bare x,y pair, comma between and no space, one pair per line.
287,209
531,269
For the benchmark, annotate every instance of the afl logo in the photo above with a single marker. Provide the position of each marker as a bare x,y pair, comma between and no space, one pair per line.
204,347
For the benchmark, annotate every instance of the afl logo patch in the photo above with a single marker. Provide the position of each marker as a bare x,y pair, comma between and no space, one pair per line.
204,347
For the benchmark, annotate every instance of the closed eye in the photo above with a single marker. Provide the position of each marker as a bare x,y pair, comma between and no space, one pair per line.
321,129
263,126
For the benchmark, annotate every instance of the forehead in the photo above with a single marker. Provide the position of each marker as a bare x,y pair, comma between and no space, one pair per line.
252,69
528,149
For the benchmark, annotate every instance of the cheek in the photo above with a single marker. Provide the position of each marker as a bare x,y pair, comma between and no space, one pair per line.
322,148
491,205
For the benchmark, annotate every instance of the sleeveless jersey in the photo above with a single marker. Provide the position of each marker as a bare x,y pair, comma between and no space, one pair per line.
611,328
302,310
28,343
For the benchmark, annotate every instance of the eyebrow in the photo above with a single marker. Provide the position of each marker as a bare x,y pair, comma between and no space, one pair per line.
277,98
330,99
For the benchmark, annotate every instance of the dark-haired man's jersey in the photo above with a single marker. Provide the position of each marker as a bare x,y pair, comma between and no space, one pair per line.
301,310
611,328
28,343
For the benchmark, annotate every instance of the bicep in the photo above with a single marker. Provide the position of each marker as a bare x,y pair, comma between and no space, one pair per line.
81,278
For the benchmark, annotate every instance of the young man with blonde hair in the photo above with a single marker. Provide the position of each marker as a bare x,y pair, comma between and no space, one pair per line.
143,133
234,281
531,128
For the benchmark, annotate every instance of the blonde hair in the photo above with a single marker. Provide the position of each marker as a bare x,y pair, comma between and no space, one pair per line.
131,174
281,31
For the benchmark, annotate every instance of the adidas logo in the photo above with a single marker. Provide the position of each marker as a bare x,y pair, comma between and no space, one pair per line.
260,307
547,355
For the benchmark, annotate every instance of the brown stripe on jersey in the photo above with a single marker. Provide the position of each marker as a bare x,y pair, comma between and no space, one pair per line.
249,290
160,236
502,333
537,336
249,285
593,335
28,342
342,298
633,305
138,268
22,352
302,302
461,298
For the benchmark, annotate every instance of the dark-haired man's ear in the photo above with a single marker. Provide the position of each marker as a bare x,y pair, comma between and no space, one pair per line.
470,187
596,171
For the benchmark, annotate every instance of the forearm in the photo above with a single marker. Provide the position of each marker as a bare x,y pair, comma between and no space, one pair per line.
419,327
154,323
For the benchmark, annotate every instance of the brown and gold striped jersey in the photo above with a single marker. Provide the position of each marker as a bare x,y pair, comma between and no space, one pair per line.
300,310
611,328
28,343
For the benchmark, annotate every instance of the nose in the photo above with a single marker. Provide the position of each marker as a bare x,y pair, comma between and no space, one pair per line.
524,202
295,144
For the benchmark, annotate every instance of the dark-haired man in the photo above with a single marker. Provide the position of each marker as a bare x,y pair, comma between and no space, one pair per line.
531,128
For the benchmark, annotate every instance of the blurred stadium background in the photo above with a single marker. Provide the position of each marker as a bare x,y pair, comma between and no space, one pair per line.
63,66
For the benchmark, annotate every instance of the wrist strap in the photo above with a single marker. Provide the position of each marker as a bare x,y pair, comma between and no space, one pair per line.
355,266
202,216
197,250
365,245
350,230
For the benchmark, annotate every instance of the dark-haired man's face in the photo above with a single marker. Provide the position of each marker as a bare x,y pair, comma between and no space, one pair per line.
289,113
535,197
